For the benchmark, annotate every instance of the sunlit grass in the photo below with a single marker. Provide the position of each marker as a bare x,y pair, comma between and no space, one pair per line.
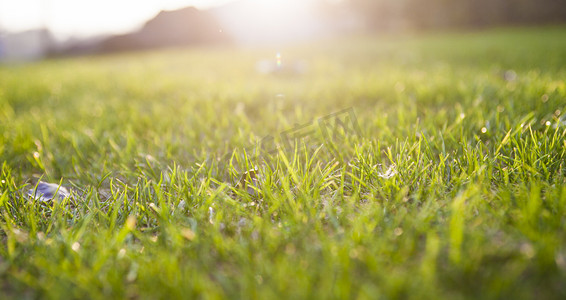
454,186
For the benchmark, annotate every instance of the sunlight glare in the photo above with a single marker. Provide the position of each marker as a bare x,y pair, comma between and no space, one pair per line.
87,18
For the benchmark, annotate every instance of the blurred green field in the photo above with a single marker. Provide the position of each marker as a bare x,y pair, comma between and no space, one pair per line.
454,186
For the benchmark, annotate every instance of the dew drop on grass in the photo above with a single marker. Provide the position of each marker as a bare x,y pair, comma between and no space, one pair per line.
483,130
392,171
547,123
188,234
544,98
510,75
398,231
210,215
242,222
76,246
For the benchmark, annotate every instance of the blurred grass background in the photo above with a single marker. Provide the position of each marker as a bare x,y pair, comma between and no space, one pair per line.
472,124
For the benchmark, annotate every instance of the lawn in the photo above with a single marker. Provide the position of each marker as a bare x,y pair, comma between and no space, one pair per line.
423,167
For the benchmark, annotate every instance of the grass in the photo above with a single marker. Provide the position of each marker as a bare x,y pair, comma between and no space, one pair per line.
453,187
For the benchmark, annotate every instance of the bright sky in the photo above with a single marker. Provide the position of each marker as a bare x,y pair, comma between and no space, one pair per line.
87,17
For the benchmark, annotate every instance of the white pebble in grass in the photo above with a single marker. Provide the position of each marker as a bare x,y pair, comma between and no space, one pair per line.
48,191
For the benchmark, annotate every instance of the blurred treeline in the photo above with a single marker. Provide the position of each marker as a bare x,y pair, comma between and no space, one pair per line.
438,14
